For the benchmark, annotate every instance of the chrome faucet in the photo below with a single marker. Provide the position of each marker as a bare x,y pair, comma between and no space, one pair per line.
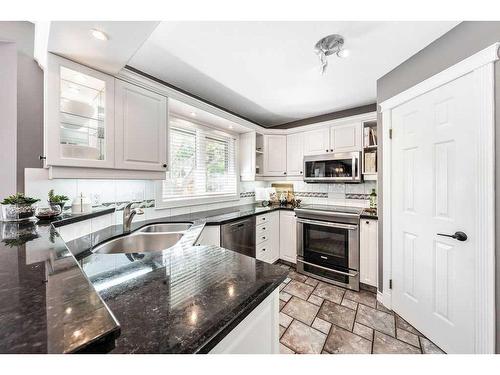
128,215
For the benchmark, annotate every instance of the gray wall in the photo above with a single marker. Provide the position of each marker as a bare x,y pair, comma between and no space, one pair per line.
462,41
29,97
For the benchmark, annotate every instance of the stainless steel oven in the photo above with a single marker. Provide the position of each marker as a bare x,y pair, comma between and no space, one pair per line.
336,167
328,244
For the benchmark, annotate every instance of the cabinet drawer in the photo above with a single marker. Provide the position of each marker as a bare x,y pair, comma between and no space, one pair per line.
261,237
263,227
261,219
263,250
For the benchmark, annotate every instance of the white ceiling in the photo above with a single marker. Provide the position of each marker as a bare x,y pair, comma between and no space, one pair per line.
268,72
73,40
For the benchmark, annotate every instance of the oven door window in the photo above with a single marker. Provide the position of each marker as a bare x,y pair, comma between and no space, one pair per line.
341,168
327,246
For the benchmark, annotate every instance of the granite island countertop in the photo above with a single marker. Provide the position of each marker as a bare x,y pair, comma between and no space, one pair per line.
47,304
182,300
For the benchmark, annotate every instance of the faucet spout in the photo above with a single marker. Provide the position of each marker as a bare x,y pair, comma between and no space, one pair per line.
128,215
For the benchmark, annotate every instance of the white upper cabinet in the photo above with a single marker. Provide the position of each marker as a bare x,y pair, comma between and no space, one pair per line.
79,115
274,155
345,138
140,128
294,154
316,141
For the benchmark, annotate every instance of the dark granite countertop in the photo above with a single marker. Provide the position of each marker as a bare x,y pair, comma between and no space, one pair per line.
226,215
47,304
182,300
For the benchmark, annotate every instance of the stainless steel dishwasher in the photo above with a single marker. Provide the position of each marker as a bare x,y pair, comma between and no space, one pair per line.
239,236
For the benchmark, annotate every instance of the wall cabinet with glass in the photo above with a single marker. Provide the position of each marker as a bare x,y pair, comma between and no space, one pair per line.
79,115
105,127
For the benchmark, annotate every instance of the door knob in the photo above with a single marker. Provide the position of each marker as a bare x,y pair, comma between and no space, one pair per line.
460,236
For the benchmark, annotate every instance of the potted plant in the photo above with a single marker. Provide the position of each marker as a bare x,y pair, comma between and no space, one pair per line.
57,200
17,207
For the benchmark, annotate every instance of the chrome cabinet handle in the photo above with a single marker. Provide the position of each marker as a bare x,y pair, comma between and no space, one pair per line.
459,236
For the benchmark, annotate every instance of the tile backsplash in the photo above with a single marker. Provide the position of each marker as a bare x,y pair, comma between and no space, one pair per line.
115,193
334,194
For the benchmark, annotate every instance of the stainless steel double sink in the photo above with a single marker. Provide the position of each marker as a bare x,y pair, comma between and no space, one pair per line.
151,238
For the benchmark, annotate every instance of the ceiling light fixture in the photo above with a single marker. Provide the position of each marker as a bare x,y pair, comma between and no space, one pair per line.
193,114
98,34
329,45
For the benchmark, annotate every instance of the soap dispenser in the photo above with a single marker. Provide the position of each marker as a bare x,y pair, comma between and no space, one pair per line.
81,205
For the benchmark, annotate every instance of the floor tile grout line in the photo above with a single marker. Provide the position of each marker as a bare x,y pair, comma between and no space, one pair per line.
391,312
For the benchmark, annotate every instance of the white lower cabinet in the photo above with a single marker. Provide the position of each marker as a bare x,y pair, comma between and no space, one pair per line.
368,252
267,237
258,333
288,236
210,235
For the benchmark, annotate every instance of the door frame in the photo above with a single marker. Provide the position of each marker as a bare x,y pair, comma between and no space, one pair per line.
481,65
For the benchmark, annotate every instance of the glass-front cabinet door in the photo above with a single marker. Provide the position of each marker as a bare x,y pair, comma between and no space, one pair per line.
79,119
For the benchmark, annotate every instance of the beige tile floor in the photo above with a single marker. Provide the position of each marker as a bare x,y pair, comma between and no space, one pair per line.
316,317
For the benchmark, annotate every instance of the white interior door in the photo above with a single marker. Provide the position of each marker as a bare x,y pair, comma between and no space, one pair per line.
434,171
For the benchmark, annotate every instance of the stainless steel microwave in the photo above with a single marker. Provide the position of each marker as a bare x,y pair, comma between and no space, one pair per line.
335,167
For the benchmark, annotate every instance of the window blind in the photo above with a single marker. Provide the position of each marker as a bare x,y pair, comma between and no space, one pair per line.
202,163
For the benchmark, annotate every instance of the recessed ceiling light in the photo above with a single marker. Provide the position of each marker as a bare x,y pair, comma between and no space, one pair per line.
343,53
193,114
98,34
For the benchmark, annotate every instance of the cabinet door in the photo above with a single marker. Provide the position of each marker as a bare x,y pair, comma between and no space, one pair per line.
79,115
274,155
316,141
288,236
368,252
140,128
294,154
346,137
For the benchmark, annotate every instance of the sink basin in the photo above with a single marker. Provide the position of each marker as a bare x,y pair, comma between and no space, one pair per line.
151,238
139,243
165,228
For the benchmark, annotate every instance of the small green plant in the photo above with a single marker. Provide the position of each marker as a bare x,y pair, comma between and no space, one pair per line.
53,198
19,198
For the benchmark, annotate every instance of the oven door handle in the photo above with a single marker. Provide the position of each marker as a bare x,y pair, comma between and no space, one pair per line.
328,269
327,224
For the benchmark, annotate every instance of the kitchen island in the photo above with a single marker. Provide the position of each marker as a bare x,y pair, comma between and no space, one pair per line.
187,299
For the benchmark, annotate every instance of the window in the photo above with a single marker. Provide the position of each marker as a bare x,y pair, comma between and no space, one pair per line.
202,166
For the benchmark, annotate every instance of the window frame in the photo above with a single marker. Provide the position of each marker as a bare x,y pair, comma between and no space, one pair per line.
207,198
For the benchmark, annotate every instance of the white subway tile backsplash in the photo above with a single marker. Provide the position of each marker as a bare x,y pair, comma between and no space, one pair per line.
130,190
99,191
38,185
